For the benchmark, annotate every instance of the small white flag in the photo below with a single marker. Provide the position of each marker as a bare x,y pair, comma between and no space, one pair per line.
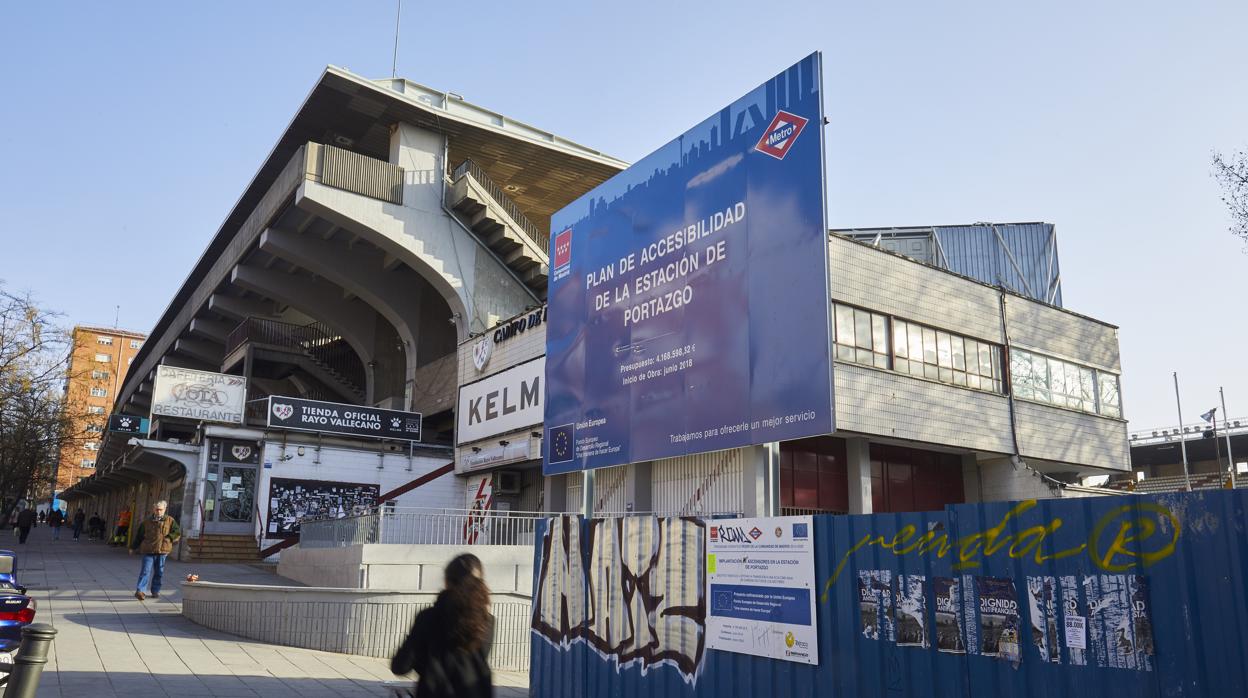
1208,416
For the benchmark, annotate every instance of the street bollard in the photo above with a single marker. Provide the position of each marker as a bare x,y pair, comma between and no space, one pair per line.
28,664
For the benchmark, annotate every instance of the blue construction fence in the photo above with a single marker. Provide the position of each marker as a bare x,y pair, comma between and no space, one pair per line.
971,601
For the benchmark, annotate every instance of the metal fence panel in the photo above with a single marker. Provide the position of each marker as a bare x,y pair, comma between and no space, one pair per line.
978,600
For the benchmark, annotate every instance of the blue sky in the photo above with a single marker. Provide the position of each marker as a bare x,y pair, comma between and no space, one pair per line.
127,130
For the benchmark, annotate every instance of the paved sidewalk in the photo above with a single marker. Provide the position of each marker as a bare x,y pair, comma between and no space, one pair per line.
110,644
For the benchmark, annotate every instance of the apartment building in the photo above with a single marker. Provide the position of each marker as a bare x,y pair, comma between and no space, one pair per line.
98,363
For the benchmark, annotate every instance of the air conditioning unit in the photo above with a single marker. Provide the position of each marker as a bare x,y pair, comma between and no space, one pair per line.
507,482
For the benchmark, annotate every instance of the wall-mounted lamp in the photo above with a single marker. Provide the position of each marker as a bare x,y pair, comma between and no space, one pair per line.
476,449
536,434
504,442
299,450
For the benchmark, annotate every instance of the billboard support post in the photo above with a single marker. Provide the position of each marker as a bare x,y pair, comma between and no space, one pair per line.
587,494
772,463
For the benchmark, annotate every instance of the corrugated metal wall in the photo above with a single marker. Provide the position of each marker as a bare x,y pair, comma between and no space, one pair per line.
972,601
613,489
975,251
701,484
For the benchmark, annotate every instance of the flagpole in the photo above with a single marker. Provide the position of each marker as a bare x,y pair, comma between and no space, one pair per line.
1217,448
1229,456
1187,476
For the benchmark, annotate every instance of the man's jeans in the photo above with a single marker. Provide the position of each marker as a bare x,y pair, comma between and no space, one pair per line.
56,533
153,570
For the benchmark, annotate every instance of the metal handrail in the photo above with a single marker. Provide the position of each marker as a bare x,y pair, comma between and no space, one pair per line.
1234,425
317,341
539,237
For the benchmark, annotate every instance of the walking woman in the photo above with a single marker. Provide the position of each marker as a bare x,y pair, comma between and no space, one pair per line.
450,642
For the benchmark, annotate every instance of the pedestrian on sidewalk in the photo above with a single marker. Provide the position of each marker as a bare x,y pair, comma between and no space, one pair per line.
123,527
25,520
80,520
449,645
55,519
95,527
156,535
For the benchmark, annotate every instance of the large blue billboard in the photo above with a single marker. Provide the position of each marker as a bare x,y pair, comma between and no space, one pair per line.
688,301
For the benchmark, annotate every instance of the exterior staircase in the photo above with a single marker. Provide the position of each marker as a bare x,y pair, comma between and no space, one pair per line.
496,220
223,548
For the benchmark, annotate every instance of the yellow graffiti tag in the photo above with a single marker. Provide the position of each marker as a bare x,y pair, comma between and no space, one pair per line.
1137,529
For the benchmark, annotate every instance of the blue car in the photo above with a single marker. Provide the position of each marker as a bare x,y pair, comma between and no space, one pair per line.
17,610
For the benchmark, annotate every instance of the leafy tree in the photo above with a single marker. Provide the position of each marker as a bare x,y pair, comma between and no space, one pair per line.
36,421
1232,173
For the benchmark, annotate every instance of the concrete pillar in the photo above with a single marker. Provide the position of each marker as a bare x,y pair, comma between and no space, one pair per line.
555,494
858,472
760,486
421,154
642,482
971,478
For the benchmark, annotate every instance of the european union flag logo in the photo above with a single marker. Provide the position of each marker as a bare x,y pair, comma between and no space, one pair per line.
799,531
562,443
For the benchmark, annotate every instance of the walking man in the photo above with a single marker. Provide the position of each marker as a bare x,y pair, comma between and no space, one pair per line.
80,520
156,536
25,520
55,519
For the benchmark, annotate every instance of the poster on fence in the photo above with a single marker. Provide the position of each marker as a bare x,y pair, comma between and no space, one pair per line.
760,576
998,617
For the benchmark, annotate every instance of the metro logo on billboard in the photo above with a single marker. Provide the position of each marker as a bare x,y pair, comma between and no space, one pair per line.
781,134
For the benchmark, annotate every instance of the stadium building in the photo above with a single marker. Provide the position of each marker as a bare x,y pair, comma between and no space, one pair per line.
389,261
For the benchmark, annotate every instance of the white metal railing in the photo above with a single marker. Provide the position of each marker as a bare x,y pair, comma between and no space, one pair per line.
1232,426
423,527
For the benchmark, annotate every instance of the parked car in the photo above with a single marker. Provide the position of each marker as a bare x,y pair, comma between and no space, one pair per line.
17,610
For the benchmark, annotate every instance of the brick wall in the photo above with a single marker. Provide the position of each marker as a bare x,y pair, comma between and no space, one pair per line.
1061,334
884,403
876,280
1067,436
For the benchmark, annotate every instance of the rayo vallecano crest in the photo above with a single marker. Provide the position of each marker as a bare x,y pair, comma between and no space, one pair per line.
241,453
481,352
282,410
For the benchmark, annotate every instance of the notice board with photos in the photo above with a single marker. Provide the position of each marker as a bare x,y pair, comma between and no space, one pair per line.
291,501
688,303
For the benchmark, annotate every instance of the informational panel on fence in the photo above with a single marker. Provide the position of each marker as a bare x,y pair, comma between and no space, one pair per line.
760,579
688,303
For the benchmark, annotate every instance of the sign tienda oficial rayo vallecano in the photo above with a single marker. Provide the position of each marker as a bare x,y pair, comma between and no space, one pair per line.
339,418
688,299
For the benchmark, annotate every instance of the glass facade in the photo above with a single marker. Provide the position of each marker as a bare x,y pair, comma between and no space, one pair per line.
1064,384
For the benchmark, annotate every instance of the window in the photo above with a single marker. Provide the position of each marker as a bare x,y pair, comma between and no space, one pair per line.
106,341
1065,384
874,339
95,409
946,357
103,358
1111,402
99,392
861,336
92,445
88,463
95,429
135,343
99,375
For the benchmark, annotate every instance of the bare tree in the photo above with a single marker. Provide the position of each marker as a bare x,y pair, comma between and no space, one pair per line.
36,420
1232,173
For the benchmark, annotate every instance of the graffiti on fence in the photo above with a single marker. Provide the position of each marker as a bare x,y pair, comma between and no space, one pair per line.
638,595
1143,533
